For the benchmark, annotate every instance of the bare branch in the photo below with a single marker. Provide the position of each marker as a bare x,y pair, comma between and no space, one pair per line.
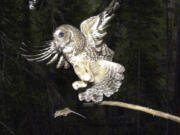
4,125
138,108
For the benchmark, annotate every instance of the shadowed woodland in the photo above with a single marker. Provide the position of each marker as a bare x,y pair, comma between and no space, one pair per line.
144,35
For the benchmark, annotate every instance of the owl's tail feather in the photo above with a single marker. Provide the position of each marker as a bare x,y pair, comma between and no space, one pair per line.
110,84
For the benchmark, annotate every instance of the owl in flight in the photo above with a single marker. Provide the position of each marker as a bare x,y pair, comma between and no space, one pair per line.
89,56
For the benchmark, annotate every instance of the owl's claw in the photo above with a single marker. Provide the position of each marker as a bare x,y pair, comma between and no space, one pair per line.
79,84
87,78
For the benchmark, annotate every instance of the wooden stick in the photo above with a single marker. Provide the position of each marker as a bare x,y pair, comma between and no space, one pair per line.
138,108
1,123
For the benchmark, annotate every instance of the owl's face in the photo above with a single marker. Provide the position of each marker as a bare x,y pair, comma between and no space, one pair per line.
62,42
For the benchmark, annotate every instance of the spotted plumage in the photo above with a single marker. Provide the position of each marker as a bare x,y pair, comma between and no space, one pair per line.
90,57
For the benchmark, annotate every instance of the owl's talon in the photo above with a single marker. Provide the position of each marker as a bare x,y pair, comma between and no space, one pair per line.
75,86
79,84
86,77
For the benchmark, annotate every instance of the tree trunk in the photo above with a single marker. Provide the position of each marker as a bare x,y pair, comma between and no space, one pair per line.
177,78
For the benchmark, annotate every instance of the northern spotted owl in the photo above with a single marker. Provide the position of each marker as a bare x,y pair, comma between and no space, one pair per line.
89,56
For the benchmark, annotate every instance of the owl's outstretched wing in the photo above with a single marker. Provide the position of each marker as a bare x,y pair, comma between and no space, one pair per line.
94,30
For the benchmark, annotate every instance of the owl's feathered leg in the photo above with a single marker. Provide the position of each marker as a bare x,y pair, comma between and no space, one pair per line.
79,84
83,71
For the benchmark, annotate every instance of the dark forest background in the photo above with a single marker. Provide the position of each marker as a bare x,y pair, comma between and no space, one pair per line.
144,35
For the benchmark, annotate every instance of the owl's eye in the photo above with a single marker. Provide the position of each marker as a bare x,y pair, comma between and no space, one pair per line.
61,34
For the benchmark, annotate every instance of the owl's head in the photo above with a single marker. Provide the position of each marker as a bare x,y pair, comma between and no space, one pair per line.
67,39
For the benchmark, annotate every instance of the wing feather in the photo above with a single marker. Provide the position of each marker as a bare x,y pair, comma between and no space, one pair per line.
94,30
